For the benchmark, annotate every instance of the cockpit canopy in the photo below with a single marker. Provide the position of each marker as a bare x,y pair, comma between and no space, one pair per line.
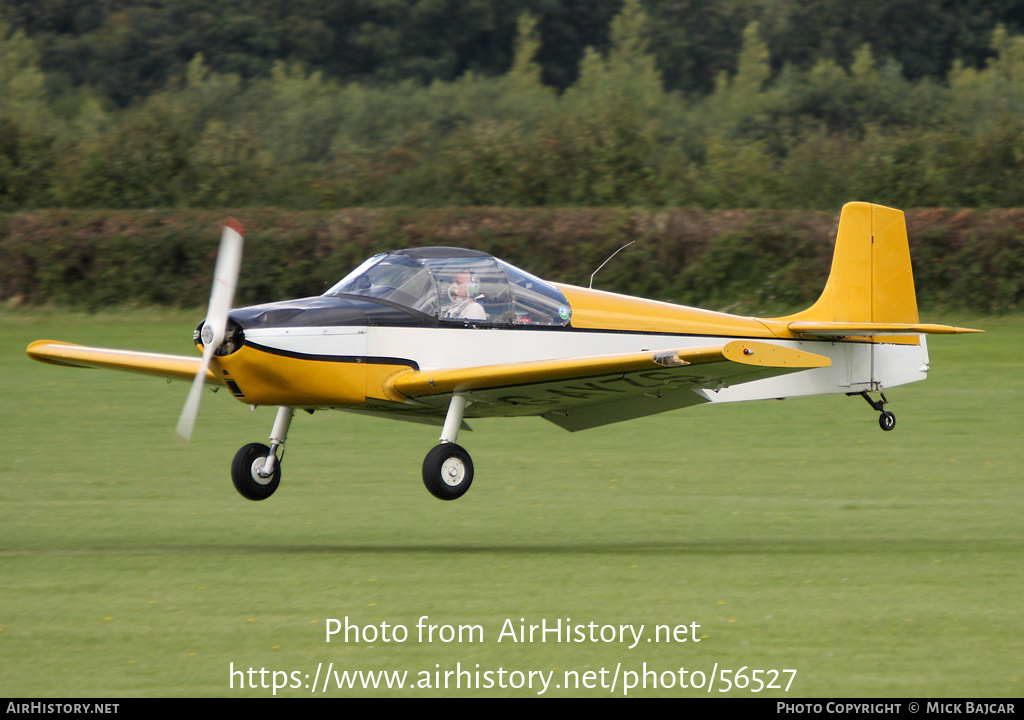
457,286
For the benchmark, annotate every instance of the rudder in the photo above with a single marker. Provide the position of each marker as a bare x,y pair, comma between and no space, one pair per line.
871,280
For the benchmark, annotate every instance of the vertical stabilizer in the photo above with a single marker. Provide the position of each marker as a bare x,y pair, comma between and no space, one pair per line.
871,280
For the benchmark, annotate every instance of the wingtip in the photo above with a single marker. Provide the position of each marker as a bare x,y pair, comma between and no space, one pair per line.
33,348
52,352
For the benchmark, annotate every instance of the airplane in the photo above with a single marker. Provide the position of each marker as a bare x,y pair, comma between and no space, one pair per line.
440,335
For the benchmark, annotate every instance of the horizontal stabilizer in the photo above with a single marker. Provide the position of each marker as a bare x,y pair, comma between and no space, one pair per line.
853,329
175,367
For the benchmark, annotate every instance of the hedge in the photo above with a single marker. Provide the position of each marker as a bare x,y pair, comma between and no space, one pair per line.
762,261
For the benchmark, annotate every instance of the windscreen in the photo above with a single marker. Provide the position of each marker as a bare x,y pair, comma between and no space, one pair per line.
458,287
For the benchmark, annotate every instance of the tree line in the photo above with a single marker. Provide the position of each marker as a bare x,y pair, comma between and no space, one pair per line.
707,104
128,49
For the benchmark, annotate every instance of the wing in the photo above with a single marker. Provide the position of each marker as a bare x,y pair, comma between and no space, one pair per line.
176,367
580,393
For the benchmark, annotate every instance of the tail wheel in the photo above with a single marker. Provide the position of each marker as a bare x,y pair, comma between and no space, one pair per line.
447,471
245,472
887,421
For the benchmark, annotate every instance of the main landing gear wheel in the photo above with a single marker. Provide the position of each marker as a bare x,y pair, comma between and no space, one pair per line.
245,472
447,471
887,421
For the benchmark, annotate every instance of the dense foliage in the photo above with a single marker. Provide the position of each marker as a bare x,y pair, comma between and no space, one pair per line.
127,49
763,262
120,104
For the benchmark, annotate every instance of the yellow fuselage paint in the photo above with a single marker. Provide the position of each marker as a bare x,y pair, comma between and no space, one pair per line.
265,378
599,310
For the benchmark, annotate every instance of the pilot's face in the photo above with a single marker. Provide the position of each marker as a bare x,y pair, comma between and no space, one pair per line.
460,284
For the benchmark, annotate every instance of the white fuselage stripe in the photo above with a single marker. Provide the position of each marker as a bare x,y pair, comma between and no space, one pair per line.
855,366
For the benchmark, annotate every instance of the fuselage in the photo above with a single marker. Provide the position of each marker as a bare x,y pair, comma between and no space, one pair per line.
339,351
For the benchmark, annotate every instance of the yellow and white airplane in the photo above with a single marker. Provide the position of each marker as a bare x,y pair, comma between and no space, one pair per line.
440,335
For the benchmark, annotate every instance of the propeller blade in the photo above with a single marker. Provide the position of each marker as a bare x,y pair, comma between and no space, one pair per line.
188,413
225,279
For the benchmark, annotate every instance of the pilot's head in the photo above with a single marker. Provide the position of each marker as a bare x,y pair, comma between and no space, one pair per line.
463,286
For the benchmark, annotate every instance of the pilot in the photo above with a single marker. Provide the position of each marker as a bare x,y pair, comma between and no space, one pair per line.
463,293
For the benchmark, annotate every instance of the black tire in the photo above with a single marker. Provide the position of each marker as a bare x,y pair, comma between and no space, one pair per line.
447,471
887,421
243,473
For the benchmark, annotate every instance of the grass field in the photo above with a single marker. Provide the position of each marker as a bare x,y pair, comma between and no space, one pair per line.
796,534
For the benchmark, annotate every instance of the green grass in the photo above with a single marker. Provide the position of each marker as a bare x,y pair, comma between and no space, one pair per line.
796,534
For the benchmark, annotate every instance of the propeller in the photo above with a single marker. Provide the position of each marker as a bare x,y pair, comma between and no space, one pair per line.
225,278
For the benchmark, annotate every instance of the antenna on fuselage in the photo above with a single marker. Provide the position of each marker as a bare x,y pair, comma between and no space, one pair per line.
591,285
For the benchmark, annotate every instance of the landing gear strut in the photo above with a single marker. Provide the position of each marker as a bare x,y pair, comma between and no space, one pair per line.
256,469
886,420
448,469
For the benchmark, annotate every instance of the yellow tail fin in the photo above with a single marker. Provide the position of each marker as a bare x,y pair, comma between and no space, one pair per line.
870,290
871,282
871,279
